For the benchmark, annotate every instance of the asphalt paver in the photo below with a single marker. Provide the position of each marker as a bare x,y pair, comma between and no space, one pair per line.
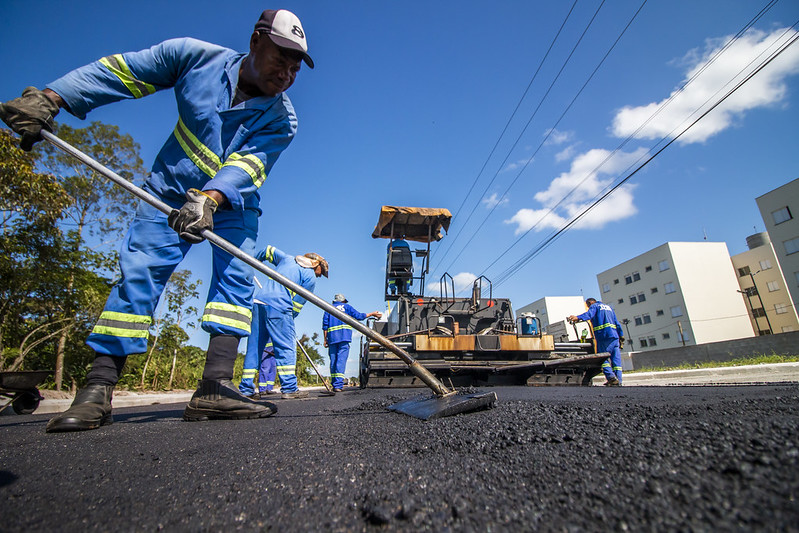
544,459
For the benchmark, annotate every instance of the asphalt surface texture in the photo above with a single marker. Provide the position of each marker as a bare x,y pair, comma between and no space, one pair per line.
719,458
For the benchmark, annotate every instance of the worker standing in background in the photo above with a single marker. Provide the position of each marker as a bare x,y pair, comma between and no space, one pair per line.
274,309
266,374
397,285
338,336
234,121
608,335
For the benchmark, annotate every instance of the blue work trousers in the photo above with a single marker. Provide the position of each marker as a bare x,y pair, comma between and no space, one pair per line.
264,368
270,325
338,352
149,254
612,365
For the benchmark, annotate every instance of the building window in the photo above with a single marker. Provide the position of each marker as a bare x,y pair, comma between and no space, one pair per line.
615,282
675,311
633,300
636,276
620,301
786,329
773,286
637,298
638,321
641,297
758,312
765,264
780,308
663,265
669,288
659,312
682,337
781,215
606,287
654,290
791,246
652,341
764,332
648,269
646,319
642,343
666,336
743,271
628,279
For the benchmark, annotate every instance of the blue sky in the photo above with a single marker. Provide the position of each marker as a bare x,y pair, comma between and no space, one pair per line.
408,100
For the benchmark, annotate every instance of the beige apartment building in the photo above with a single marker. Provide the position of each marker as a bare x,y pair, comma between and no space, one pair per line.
764,288
779,209
680,293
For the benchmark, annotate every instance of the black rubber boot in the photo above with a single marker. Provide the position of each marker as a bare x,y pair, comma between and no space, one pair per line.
221,400
90,410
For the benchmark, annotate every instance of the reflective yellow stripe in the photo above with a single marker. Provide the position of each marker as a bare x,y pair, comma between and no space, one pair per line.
201,155
603,326
116,64
617,368
270,254
298,306
249,164
285,370
605,365
336,328
226,314
335,375
249,372
118,324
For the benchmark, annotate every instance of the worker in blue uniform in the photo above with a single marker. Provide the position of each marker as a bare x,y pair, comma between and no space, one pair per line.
265,375
338,336
397,284
234,120
274,310
608,335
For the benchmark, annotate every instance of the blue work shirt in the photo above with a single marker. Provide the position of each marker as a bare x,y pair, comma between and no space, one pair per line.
338,331
603,321
214,145
276,296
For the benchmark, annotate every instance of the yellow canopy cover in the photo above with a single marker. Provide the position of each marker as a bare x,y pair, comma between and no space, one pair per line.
420,224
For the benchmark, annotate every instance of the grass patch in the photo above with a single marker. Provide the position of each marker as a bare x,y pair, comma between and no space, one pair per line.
758,359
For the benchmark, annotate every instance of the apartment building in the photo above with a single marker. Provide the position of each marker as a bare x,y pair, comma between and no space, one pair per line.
779,209
764,288
552,312
678,294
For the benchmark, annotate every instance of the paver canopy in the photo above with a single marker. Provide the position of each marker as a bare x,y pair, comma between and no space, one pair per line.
420,224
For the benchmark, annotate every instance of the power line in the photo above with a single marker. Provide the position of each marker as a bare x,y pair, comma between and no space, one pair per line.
532,254
518,138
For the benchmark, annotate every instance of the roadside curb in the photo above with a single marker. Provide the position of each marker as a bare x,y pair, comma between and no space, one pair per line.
732,375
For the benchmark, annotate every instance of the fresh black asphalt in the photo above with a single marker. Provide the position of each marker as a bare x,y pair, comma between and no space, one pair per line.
544,459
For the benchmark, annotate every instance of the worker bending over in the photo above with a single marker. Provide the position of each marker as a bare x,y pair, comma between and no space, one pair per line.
234,120
608,335
338,336
274,310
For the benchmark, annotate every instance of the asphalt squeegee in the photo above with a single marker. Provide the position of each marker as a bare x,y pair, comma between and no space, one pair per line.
443,402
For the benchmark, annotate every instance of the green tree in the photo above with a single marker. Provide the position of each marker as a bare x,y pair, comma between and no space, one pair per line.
305,373
98,208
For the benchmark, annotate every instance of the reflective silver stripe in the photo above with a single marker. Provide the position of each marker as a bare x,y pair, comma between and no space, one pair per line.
116,64
250,164
202,156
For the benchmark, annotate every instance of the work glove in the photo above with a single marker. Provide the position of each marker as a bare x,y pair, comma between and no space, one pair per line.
621,343
28,114
196,215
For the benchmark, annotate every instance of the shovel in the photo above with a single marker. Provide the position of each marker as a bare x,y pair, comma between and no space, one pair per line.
329,392
444,402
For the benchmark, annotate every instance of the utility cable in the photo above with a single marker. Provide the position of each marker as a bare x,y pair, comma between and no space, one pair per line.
530,255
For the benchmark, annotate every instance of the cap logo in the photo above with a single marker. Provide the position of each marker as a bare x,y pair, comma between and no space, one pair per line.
296,30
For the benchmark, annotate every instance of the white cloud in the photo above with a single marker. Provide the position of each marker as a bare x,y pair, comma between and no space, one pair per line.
493,201
590,174
566,153
766,88
558,137
518,164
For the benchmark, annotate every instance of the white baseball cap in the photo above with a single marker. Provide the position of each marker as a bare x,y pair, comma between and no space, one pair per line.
285,30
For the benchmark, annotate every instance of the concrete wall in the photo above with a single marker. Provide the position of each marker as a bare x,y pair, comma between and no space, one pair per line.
782,343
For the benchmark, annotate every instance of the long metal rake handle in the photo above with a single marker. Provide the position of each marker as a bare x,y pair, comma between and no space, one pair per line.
420,371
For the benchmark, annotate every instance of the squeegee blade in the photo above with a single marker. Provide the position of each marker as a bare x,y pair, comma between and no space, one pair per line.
430,407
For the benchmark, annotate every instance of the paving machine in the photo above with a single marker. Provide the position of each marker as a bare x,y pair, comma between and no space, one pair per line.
463,341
